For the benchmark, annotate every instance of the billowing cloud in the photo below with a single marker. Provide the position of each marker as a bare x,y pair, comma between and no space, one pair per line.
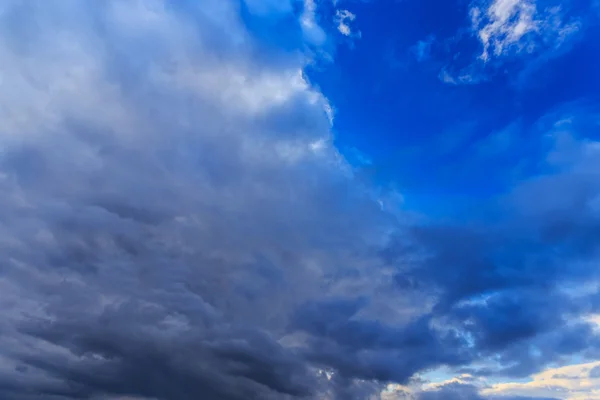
170,199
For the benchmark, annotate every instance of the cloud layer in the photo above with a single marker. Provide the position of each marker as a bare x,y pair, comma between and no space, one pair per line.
171,197
177,224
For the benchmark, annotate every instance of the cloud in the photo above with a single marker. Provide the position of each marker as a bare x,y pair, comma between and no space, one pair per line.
453,389
312,30
176,222
464,77
568,382
422,49
508,21
170,200
516,38
513,26
519,307
343,19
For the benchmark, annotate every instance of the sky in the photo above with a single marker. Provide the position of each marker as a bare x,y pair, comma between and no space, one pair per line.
300,199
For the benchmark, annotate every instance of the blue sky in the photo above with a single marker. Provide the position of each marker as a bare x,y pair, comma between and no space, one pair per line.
300,199
393,102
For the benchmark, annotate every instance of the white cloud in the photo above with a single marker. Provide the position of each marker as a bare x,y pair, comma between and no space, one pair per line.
311,28
572,382
462,379
503,24
513,26
343,19
569,382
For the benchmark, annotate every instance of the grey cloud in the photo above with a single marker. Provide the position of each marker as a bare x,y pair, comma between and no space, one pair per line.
170,200
117,355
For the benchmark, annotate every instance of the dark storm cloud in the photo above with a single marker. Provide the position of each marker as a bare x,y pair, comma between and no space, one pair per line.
358,347
120,356
170,200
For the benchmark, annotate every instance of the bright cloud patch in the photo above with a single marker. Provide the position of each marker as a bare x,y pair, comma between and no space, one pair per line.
513,26
343,19
572,382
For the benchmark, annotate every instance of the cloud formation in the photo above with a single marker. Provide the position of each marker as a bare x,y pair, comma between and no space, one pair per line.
176,223
528,263
513,26
461,388
343,19
170,199
513,38
577,381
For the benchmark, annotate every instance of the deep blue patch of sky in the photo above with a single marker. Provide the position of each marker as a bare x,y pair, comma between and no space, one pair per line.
426,134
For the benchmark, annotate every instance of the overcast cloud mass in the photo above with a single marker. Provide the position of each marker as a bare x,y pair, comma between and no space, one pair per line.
180,217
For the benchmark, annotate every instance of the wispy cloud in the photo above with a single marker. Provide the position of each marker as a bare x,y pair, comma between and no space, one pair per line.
572,382
512,30
422,49
312,30
463,78
343,18
513,26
